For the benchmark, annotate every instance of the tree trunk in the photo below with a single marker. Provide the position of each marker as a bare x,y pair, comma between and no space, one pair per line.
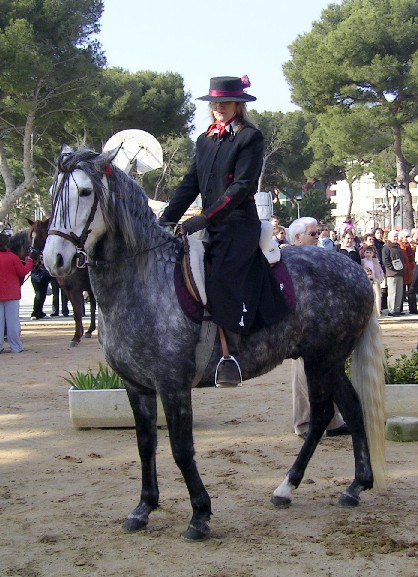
350,199
261,178
13,192
402,176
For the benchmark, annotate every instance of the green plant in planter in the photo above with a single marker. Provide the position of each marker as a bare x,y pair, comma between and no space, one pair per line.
105,378
402,371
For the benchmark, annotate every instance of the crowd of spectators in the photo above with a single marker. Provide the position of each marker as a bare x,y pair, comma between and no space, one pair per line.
389,258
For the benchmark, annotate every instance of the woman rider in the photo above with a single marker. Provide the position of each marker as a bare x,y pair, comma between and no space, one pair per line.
241,291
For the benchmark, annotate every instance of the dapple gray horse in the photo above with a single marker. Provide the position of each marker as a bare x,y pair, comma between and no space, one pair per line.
100,212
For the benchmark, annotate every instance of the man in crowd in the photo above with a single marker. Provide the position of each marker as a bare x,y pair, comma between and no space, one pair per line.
305,232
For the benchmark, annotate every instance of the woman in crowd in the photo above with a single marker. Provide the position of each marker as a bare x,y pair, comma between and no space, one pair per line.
366,241
348,247
324,240
12,274
372,266
409,258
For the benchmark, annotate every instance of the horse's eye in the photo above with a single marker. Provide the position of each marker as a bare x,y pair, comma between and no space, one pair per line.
85,192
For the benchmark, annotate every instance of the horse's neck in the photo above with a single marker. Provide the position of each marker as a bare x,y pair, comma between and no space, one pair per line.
149,263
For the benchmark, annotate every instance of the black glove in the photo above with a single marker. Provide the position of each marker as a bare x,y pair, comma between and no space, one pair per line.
194,224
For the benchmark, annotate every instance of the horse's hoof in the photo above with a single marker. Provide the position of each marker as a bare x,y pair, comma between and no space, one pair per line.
87,336
347,500
195,534
133,524
280,502
73,344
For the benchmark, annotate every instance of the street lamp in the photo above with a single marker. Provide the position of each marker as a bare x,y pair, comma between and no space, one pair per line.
400,190
397,191
298,198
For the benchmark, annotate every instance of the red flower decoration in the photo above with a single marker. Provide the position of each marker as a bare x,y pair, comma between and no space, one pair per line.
108,170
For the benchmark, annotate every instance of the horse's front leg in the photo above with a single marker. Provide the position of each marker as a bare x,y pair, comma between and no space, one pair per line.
92,326
178,410
144,406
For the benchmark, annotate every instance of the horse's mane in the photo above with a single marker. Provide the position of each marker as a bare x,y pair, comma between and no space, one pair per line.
19,243
124,205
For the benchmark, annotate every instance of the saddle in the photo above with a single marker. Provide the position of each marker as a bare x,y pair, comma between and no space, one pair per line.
193,261
193,276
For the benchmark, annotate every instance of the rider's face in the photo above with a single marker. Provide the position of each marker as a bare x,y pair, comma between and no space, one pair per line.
223,111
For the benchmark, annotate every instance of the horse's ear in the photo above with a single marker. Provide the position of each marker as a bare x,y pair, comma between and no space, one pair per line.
66,149
105,158
30,222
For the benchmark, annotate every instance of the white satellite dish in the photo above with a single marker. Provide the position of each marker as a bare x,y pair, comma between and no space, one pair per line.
139,151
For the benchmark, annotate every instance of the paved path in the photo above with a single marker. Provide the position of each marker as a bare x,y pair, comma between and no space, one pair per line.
26,306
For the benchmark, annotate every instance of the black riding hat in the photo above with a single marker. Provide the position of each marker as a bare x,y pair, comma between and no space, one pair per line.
228,89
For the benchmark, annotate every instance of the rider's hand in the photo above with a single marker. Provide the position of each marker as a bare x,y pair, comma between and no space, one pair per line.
194,224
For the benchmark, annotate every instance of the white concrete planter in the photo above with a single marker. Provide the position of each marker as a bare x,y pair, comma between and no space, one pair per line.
104,408
401,400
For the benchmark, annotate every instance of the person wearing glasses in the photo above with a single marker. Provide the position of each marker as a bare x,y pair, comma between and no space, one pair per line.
305,232
242,293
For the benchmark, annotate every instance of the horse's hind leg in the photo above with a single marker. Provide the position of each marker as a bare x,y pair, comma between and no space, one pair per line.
144,406
178,411
322,411
348,402
92,326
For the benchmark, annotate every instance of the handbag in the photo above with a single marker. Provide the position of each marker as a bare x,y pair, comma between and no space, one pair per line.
397,264
39,274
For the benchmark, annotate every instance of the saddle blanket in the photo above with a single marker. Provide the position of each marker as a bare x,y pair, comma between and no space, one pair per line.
194,310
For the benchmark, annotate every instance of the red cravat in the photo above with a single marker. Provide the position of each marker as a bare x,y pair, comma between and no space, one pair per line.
221,127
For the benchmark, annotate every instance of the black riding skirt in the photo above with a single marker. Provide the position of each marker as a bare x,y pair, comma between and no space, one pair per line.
243,295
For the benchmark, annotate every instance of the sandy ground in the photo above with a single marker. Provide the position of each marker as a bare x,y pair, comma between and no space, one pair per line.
64,493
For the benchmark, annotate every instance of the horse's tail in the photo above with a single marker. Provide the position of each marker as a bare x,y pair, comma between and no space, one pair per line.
368,378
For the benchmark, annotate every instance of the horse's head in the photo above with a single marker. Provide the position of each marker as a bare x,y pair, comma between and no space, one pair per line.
76,222
38,232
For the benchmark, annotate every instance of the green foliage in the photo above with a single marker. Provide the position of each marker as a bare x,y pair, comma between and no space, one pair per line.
403,370
150,101
315,203
358,69
54,90
105,378
287,156
177,151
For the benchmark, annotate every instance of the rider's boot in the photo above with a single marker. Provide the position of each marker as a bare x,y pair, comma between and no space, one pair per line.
228,372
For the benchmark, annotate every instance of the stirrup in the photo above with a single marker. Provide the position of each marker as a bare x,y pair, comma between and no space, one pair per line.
232,359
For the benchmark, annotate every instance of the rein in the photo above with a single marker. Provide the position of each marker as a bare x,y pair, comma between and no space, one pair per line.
98,263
